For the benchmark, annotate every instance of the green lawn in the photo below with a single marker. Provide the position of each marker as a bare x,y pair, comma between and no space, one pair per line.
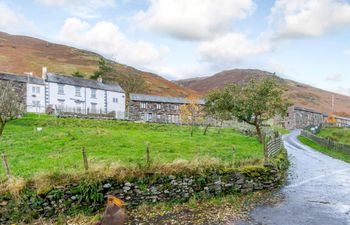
341,135
333,153
57,148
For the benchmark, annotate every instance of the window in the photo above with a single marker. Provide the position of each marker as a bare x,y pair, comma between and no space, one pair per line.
143,105
36,104
176,107
61,89
115,100
150,116
93,93
78,107
60,104
35,90
159,106
77,91
93,107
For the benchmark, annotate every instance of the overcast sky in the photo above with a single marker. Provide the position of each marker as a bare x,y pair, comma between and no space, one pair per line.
304,40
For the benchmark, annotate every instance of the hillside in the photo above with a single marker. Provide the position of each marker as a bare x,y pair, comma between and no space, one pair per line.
19,54
300,94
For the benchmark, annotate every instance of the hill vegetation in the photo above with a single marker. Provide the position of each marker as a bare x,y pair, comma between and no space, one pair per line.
20,54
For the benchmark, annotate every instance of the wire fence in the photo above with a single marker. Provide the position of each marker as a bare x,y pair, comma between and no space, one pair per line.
326,142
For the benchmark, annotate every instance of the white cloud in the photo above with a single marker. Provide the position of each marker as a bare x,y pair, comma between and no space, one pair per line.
335,77
301,18
193,19
13,21
80,8
232,47
105,38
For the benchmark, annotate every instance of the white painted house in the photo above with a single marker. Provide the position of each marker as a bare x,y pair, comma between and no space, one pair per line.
66,94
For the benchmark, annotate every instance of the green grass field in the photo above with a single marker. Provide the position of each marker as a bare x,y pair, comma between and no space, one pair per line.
333,153
341,135
57,148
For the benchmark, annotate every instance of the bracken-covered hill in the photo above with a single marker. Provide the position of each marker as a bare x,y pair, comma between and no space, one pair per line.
20,54
300,94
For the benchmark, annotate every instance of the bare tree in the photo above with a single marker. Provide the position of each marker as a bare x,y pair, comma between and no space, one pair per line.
11,106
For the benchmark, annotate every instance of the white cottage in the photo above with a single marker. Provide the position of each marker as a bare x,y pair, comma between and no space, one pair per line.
69,94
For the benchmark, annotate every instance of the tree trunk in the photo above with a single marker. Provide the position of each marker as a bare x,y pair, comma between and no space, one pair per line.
2,126
219,131
258,132
191,130
206,129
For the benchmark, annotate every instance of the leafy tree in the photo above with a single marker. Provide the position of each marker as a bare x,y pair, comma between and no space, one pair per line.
78,74
257,101
218,106
191,113
104,69
11,105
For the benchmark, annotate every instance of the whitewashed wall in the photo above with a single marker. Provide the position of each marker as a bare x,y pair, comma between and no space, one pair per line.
119,106
70,99
35,98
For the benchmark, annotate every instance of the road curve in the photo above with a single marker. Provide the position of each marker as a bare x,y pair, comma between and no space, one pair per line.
317,191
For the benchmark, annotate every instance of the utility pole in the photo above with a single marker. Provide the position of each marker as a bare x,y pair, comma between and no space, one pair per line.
333,104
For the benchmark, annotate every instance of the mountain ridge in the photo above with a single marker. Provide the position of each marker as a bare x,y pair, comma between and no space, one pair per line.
20,54
301,94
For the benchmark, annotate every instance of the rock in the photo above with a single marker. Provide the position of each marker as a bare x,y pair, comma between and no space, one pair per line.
107,186
4,203
127,184
74,198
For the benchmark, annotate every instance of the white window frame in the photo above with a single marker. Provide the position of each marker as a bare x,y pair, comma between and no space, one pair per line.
93,107
143,105
77,91
60,89
159,106
115,100
93,93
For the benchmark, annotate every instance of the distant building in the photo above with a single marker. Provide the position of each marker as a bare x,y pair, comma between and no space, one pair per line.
66,94
336,121
159,109
299,117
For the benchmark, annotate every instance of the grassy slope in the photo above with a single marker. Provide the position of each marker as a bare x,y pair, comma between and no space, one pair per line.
341,135
333,153
58,146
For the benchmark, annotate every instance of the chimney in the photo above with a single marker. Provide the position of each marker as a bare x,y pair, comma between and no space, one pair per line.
99,79
44,72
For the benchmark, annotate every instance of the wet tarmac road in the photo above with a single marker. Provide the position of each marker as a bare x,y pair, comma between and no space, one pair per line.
317,191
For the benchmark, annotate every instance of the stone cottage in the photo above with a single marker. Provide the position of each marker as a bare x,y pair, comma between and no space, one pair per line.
158,109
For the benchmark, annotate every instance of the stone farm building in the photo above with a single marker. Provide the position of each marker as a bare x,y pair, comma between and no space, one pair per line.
159,109
299,117
69,95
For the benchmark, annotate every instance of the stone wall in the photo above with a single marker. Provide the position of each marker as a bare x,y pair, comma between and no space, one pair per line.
21,89
89,197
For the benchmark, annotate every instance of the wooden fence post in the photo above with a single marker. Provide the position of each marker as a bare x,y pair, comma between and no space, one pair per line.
148,158
5,164
86,164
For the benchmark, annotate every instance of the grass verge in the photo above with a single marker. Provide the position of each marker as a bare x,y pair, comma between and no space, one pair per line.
337,134
333,153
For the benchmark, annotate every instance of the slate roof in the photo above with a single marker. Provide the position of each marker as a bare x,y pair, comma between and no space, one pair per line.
21,78
161,99
75,81
306,110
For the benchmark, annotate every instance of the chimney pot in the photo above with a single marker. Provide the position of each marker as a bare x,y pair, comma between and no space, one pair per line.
44,72
99,79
